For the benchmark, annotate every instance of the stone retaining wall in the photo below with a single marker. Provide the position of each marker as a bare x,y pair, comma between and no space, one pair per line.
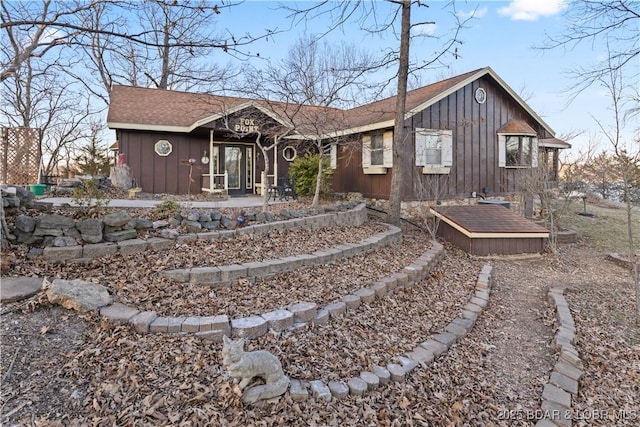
227,274
354,217
296,315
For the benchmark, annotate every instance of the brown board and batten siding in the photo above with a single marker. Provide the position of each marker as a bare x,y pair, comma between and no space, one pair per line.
348,176
475,143
475,163
158,174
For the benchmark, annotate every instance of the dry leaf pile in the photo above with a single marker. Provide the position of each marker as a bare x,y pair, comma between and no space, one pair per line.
60,368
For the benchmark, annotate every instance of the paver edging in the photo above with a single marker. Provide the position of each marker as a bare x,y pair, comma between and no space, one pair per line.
422,355
563,384
254,330
256,269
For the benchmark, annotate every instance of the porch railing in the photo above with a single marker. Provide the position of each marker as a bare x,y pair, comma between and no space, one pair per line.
217,183
266,182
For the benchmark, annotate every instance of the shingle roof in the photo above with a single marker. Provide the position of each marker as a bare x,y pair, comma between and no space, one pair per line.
384,110
516,126
137,106
157,109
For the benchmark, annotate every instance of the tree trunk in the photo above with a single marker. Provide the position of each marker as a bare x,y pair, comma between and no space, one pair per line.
265,182
120,176
316,194
399,133
632,250
5,234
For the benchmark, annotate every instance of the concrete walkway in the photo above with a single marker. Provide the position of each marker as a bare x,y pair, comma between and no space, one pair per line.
231,202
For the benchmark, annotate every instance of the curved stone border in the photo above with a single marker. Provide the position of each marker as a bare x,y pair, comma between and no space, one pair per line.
302,313
293,316
423,354
226,274
622,260
563,381
355,217
566,236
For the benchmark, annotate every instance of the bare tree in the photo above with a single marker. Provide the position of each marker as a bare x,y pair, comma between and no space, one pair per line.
345,13
34,31
400,135
268,129
177,53
627,160
310,81
590,21
40,97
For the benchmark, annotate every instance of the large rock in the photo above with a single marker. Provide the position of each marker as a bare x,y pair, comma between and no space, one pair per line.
25,224
17,288
78,295
90,230
55,221
64,241
118,236
116,219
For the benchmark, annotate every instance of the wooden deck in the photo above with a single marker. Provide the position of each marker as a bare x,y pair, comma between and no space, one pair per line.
489,230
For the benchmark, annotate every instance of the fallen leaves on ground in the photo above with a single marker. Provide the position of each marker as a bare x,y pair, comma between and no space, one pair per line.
82,371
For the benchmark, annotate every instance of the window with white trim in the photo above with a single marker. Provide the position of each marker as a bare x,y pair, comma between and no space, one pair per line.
517,151
434,149
377,149
377,152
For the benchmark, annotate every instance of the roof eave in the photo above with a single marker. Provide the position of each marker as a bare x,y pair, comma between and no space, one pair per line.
520,101
560,145
148,127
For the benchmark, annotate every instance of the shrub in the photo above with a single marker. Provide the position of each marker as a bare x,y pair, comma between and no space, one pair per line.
305,171
90,199
166,210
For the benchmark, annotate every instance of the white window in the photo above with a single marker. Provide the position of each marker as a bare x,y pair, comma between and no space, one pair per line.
377,152
517,151
434,150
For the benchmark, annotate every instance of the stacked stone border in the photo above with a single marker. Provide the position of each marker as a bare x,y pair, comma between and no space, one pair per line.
622,260
562,386
300,314
294,316
354,217
424,354
228,274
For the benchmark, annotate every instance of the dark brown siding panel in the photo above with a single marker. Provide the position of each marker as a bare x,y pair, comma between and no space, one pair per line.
349,177
157,174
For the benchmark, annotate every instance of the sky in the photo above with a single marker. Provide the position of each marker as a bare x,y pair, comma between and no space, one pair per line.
502,35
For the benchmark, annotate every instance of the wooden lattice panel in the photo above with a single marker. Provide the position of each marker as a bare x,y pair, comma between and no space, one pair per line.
20,156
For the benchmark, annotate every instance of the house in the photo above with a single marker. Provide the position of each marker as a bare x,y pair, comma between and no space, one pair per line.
466,134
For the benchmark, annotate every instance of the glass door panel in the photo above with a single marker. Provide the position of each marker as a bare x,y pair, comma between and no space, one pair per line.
233,166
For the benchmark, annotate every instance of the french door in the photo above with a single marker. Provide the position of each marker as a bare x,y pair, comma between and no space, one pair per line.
237,161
